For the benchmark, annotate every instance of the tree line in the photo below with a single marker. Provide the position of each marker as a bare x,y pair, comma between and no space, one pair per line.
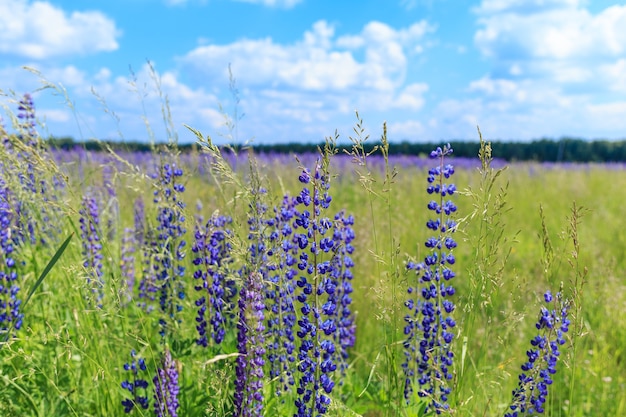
541,150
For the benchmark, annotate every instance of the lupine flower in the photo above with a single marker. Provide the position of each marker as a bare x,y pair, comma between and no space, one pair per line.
113,209
537,373
211,250
146,240
280,297
171,245
166,388
429,323
148,285
92,248
136,384
140,221
26,116
32,180
10,315
250,345
326,326
342,273
129,247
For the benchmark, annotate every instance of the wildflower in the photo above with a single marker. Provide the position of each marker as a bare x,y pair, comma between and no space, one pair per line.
250,345
166,388
26,117
139,221
92,248
323,288
280,295
537,373
10,315
170,243
212,255
129,245
136,385
429,325
112,202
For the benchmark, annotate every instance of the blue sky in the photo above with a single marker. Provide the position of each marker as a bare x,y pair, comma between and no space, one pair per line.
432,69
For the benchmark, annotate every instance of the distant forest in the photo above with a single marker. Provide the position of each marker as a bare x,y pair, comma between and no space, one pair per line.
543,150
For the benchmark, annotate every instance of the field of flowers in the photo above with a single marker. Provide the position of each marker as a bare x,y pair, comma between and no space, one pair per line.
214,284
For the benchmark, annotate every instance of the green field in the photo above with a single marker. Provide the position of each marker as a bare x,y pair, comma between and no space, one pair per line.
528,229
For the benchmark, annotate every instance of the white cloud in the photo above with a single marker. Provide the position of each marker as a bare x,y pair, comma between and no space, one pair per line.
273,3
318,62
40,30
109,106
411,97
405,130
321,78
524,6
183,2
555,66
615,75
55,115
556,33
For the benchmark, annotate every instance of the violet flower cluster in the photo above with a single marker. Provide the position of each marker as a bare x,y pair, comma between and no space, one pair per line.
170,230
92,247
136,384
326,326
127,264
26,117
298,265
530,396
10,315
251,347
249,372
280,296
166,388
212,258
429,324
165,385
112,206
32,217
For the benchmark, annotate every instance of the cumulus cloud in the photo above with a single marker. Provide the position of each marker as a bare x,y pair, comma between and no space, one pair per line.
553,65
318,62
559,33
287,4
524,6
105,105
559,41
319,77
40,30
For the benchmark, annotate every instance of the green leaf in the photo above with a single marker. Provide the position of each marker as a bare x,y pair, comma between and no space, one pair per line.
48,268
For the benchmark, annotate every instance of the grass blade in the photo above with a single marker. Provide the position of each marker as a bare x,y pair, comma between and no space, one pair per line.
48,268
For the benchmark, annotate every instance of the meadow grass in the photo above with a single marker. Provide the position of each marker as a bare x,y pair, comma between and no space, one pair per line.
521,231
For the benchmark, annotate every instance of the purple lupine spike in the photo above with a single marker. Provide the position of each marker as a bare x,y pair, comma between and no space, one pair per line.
170,233
537,373
166,388
211,250
129,247
92,247
326,326
136,384
429,325
140,221
250,345
26,116
112,204
148,285
281,317
10,314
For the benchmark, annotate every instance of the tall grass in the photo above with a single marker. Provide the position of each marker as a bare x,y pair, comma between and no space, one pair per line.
241,284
